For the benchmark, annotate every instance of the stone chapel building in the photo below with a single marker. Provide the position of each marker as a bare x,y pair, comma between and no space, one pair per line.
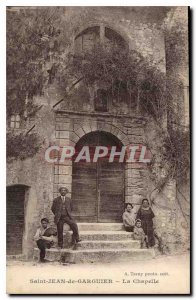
98,190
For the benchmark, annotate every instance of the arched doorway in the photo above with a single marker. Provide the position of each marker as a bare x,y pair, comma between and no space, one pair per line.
15,218
98,188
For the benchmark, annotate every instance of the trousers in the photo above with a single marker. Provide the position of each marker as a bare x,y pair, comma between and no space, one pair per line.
42,245
74,227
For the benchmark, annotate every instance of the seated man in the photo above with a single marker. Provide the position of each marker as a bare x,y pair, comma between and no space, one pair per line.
129,217
42,239
61,209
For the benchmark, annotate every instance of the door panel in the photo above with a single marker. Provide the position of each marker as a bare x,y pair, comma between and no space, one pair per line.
98,188
84,191
111,191
15,219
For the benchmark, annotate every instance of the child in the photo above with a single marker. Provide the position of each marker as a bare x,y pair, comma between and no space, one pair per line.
129,217
138,232
44,237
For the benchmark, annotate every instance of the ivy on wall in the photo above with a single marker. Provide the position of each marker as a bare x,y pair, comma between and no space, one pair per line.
22,146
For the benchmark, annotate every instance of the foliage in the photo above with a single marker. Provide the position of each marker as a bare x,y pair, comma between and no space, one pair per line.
122,74
177,43
177,152
33,37
33,40
22,146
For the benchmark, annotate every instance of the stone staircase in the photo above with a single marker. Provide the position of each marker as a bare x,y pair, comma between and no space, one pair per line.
14,257
101,242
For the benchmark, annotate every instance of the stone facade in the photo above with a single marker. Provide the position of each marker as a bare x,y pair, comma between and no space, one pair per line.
70,127
143,29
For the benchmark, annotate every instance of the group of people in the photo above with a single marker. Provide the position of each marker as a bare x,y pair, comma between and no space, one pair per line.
45,236
140,223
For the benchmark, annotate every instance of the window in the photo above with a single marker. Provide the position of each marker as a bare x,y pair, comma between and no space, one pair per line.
113,39
101,101
15,121
87,40
92,36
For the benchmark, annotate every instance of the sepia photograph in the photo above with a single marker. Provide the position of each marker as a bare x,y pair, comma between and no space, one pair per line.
98,150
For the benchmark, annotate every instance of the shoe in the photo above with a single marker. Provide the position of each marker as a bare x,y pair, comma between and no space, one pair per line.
78,241
60,247
73,242
43,261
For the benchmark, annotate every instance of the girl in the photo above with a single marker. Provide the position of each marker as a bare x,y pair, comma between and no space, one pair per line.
146,215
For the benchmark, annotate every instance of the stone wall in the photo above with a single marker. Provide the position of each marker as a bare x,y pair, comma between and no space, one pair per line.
37,175
70,127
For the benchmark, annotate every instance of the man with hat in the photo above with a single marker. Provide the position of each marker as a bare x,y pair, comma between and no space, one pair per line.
61,209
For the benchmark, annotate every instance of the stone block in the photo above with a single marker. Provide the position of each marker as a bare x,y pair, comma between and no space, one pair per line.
62,126
74,137
62,134
63,179
80,132
59,169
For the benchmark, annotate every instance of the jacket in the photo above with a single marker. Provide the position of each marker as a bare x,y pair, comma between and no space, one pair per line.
57,208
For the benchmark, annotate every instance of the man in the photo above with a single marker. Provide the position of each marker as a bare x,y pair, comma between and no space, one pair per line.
42,241
61,209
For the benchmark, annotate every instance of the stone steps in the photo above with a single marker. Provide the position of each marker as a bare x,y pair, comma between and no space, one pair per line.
101,226
20,257
105,235
101,242
89,235
96,255
123,244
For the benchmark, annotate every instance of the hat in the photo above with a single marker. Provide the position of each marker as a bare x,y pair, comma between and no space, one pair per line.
62,187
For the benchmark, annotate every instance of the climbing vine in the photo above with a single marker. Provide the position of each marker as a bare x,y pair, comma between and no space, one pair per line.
127,73
22,146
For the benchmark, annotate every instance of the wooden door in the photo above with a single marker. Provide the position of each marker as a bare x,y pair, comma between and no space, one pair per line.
84,191
98,188
15,219
110,191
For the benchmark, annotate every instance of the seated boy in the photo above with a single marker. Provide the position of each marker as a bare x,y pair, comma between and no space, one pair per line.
138,233
43,239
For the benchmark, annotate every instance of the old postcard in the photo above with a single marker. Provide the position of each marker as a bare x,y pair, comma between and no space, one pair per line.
98,142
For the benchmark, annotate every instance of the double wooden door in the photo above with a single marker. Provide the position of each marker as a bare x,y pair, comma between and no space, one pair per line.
98,188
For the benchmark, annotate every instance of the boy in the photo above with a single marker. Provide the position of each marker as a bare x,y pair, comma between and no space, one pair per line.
43,241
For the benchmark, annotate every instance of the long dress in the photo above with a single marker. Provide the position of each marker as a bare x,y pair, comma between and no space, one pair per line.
146,216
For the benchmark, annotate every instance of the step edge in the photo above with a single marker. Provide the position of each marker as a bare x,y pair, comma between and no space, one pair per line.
109,241
100,224
103,232
98,250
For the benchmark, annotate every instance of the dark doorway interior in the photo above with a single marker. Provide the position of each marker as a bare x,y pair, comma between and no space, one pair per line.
15,218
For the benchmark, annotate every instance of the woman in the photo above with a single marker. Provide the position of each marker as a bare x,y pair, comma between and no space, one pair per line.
146,215
129,217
